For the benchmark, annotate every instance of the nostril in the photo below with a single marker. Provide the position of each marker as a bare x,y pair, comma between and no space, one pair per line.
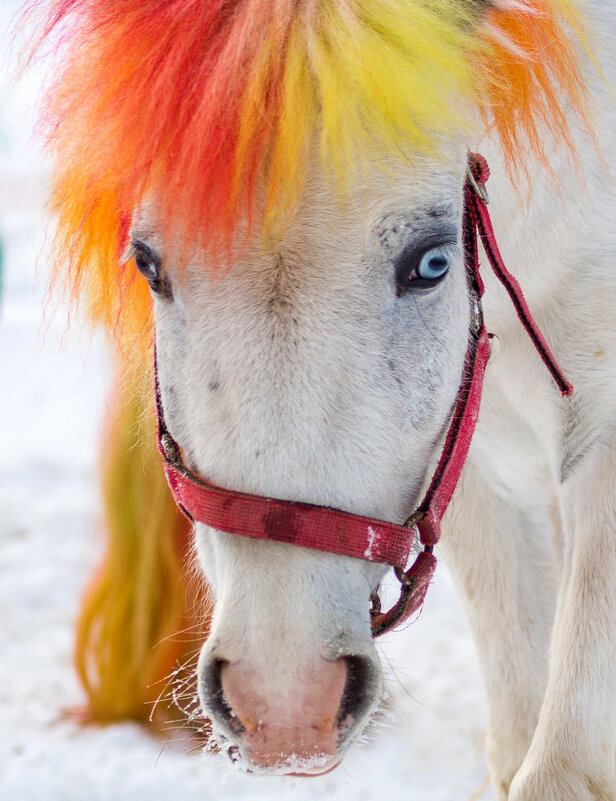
360,690
286,720
214,700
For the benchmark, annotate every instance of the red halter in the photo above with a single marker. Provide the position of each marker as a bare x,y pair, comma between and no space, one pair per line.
335,531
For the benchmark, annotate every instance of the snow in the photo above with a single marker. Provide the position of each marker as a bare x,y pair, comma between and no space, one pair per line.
428,746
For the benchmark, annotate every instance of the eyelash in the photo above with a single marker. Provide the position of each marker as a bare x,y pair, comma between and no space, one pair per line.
149,265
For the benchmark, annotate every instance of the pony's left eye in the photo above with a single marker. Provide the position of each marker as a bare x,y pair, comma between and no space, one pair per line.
434,264
426,269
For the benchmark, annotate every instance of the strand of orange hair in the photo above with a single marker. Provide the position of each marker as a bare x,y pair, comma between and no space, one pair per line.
143,617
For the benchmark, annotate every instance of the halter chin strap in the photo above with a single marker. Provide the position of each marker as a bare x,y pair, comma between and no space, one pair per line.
334,531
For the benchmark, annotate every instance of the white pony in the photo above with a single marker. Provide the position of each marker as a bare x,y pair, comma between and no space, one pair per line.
324,368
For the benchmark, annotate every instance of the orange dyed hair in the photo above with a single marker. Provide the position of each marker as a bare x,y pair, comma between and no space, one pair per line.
213,105
525,99
144,615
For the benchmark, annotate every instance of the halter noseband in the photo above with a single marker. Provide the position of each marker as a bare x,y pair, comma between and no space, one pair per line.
335,531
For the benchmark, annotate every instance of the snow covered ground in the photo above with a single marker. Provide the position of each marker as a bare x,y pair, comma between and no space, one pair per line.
52,394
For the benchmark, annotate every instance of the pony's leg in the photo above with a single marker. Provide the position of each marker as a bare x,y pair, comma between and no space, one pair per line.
572,752
140,618
503,563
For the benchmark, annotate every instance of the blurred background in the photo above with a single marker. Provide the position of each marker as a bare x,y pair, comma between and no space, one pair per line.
53,382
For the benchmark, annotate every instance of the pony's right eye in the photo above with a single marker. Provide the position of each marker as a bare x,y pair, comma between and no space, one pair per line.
147,263
150,265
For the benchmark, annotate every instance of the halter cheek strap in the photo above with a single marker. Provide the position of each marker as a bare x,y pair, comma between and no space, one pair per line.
336,531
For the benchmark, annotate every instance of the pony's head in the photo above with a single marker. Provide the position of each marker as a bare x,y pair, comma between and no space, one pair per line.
293,170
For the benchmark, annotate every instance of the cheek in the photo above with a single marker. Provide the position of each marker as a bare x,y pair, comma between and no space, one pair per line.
427,348
175,372
454,341
455,319
206,552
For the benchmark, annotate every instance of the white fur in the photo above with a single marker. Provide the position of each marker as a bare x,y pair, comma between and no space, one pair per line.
301,375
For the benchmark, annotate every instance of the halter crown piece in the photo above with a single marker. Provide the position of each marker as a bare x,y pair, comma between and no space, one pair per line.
335,531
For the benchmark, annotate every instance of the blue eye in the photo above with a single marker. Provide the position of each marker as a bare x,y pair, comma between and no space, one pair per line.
433,265
423,268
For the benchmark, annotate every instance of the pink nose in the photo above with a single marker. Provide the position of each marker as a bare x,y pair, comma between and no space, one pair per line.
288,731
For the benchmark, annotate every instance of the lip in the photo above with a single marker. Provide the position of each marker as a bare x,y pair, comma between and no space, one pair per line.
242,760
332,767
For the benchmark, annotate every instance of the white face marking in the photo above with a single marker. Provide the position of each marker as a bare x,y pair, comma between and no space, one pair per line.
313,372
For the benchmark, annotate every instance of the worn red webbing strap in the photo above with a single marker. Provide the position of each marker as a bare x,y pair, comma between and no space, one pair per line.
308,525
480,172
335,531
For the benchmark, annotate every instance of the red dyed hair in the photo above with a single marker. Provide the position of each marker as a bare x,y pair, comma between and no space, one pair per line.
209,104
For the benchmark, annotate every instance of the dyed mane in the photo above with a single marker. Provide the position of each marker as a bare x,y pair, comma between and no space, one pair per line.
213,106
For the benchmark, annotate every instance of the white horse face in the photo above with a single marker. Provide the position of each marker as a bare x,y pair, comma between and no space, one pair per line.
323,370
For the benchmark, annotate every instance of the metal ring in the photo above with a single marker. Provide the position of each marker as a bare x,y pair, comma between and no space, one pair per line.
404,577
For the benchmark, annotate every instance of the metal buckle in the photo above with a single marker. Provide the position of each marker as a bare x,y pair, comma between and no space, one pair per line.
414,519
404,577
476,315
480,189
